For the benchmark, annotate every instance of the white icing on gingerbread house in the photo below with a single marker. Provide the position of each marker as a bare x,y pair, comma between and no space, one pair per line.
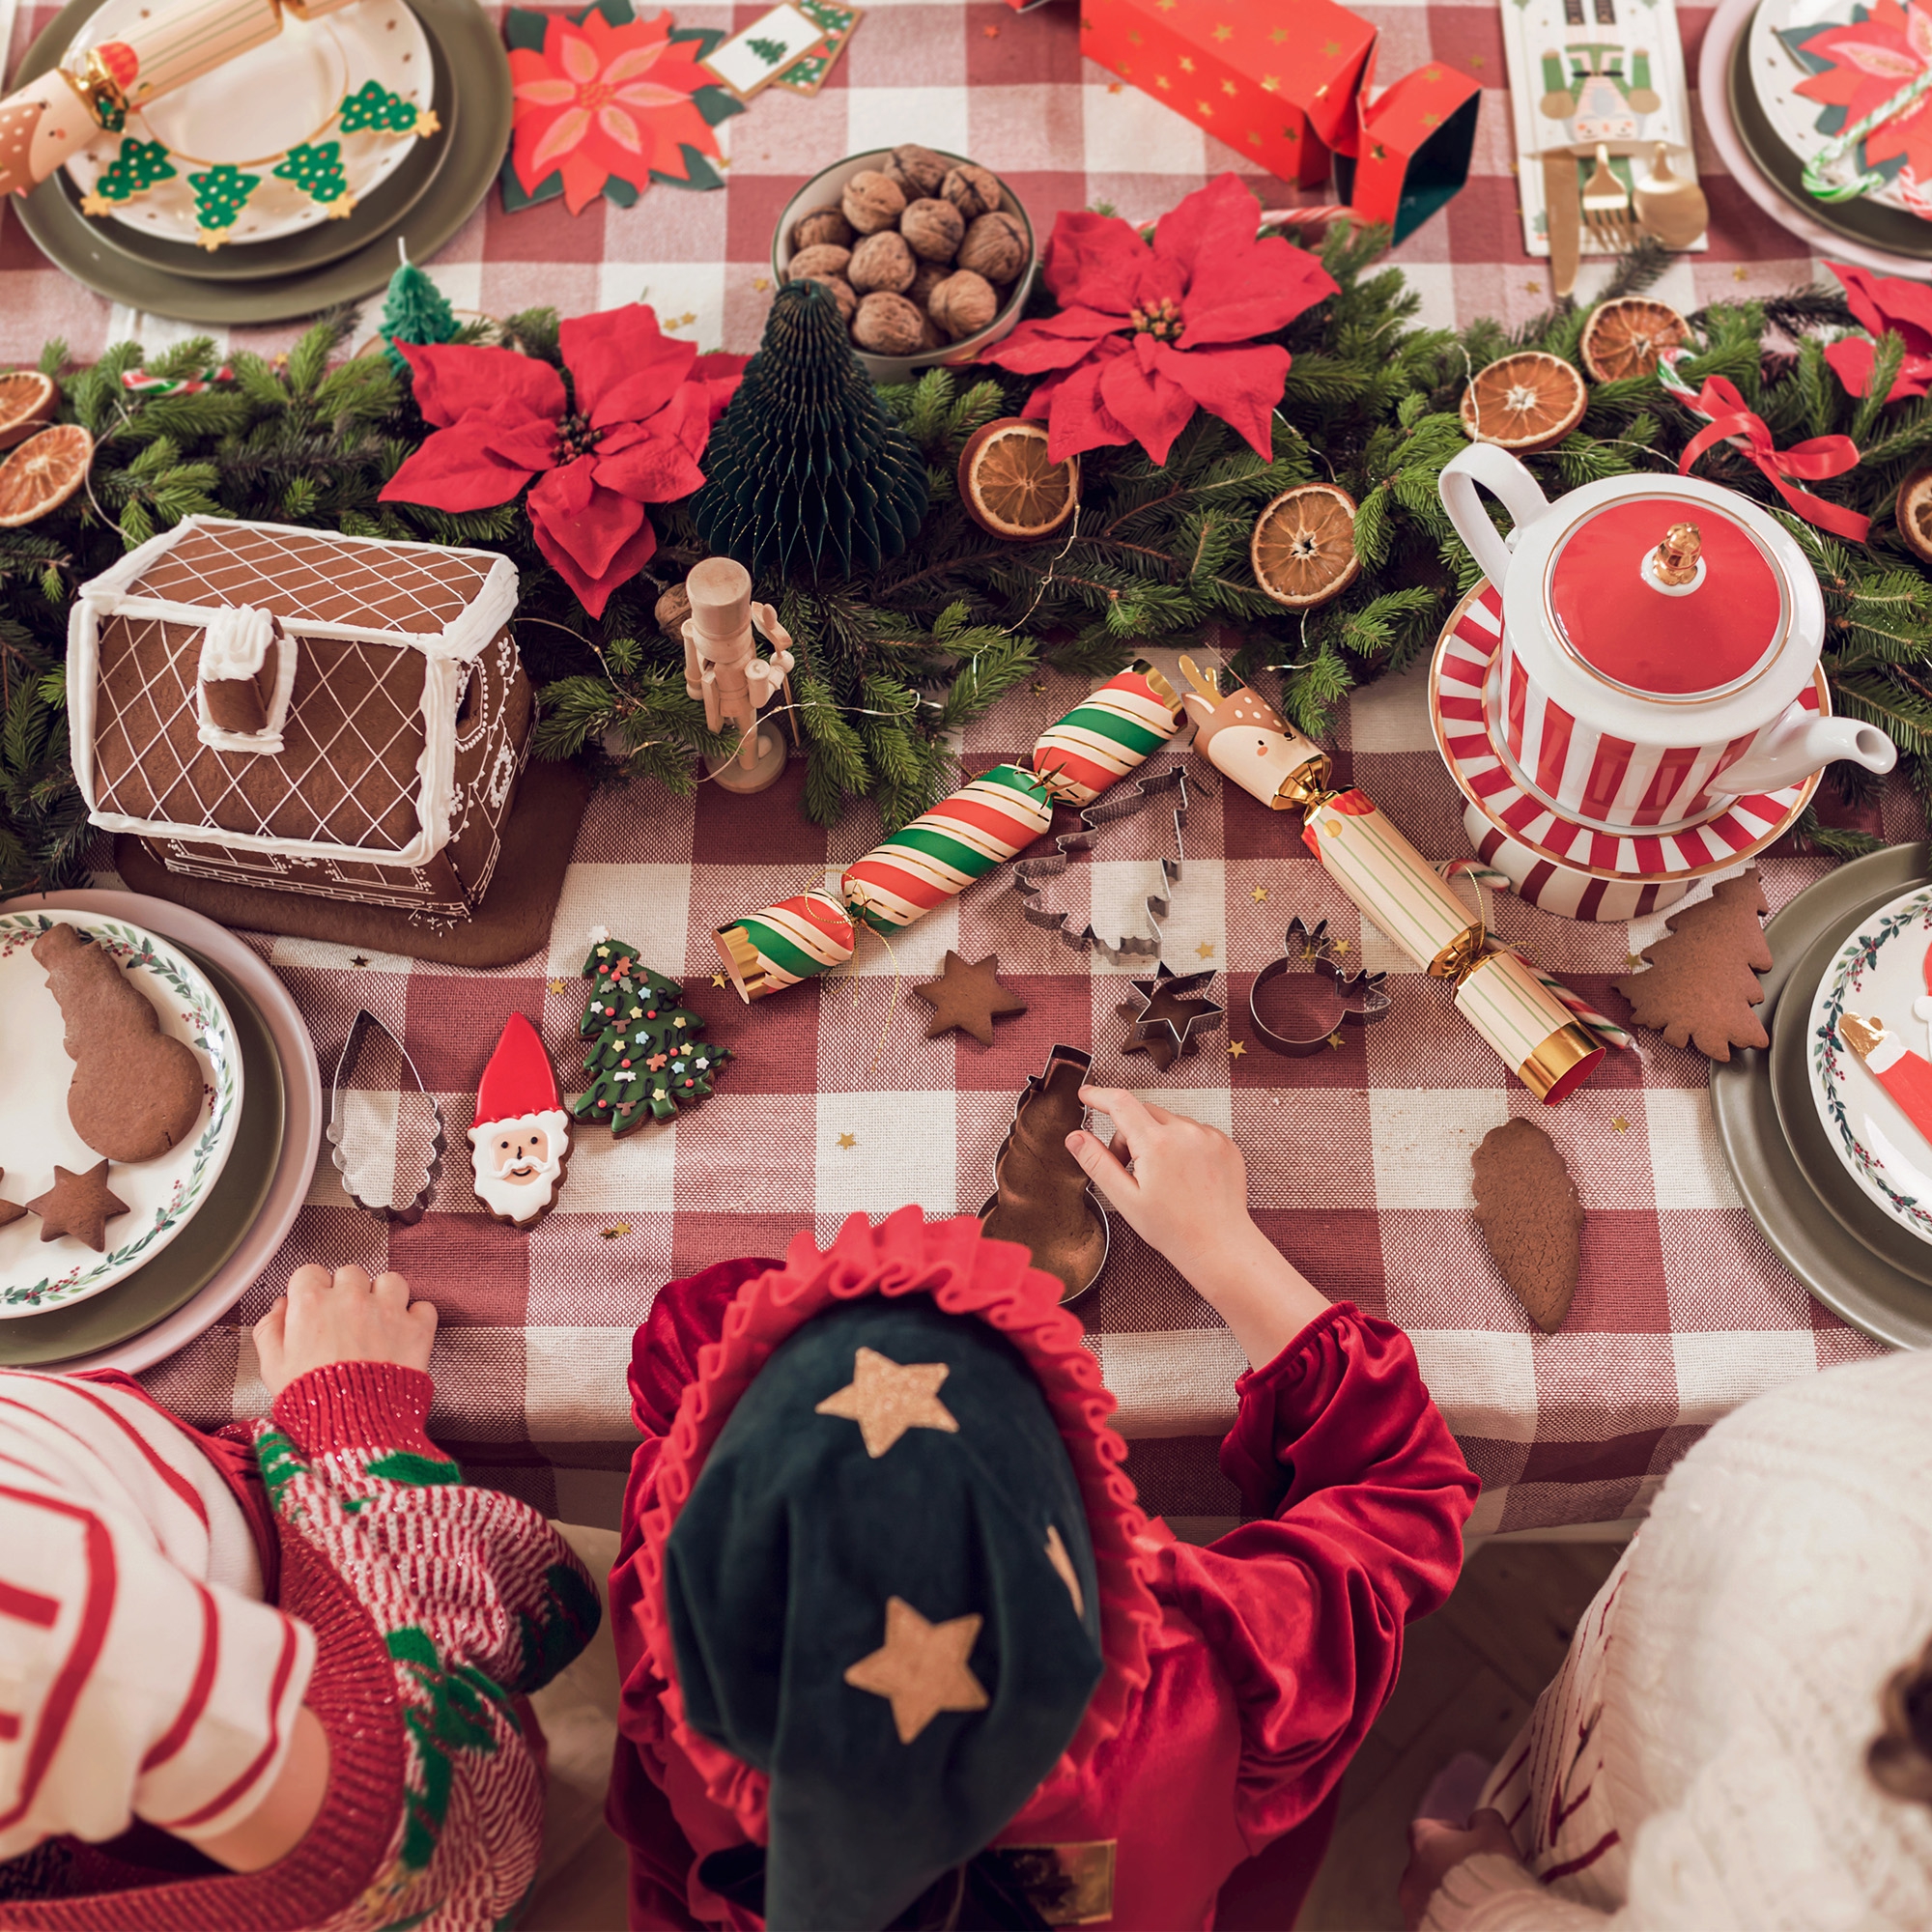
394,723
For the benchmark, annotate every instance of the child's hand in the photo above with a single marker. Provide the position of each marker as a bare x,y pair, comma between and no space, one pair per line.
1187,1197
348,1319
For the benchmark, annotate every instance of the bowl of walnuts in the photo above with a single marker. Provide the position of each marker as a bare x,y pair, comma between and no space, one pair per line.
928,255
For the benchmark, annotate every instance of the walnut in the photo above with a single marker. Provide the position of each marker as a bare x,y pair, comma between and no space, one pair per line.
873,202
671,609
888,325
930,337
881,261
822,258
919,170
930,275
934,229
841,291
820,225
973,192
995,247
963,304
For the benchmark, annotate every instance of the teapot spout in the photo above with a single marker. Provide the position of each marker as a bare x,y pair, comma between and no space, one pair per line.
1802,744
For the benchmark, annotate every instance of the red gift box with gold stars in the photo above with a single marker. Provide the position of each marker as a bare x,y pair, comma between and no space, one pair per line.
1276,81
1410,152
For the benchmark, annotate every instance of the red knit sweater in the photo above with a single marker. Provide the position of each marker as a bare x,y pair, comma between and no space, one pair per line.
1241,1677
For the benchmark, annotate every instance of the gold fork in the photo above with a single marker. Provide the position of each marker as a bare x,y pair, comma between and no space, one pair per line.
1608,223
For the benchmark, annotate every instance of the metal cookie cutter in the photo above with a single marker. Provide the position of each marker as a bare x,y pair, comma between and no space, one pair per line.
369,1153
1171,1006
1329,997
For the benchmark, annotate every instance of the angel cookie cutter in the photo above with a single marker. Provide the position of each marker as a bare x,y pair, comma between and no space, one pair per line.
1329,998
368,1159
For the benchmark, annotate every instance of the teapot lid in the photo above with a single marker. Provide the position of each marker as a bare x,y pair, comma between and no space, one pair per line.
1666,598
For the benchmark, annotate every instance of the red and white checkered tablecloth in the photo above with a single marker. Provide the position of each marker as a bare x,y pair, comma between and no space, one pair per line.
1359,1159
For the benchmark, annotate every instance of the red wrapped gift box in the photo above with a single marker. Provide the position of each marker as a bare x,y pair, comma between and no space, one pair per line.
1410,152
1277,81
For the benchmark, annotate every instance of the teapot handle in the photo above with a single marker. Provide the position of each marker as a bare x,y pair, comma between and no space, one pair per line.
1499,473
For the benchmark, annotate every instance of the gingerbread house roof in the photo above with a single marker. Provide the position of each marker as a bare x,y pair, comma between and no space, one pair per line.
384,635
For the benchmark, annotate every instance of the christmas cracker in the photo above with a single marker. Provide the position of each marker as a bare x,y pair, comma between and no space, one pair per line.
1495,990
980,826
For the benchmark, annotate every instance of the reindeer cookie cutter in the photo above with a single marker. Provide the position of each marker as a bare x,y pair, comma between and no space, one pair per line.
1334,998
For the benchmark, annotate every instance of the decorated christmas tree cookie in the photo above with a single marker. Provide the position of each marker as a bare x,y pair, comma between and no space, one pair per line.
521,1143
647,1055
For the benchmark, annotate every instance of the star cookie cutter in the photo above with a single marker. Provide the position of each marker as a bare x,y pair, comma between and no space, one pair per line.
1329,997
366,1158
1123,801
1171,1007
1075,1066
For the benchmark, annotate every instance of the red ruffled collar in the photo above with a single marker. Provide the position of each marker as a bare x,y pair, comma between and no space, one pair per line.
965,1274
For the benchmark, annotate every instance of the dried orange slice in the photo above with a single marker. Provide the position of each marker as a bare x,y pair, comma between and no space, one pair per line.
1527,401
1627,338
1303,548
27,402
1009,487
1914,514
43,474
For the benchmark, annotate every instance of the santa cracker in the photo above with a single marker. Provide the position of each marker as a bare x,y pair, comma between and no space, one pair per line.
521,1142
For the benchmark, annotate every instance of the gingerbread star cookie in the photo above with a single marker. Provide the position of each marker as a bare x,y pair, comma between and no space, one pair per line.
10,1211
968,998
78,1205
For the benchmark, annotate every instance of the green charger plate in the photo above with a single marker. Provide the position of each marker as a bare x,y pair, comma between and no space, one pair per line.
190,1261
479,72
1891,229
311,247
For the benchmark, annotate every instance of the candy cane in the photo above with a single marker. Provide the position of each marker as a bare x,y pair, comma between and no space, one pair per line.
1835,151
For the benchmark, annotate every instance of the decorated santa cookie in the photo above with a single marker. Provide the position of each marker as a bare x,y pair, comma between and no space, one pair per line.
521,1143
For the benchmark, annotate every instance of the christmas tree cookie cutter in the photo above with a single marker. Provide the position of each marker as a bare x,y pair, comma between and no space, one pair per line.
1031,878
1328,998
370,1152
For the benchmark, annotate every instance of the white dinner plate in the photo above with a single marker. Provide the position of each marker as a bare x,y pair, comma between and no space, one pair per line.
273,97
163,1194
1879,971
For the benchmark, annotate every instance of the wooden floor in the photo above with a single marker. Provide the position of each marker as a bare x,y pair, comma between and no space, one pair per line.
1469,1676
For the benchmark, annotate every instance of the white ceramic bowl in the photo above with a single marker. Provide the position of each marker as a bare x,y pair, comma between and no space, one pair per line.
824,189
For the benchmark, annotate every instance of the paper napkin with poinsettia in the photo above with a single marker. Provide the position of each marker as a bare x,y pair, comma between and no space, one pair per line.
608,103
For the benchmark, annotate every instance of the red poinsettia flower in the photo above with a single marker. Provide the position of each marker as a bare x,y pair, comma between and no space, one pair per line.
642,414
602,101
1871,60
1884,303
1146,335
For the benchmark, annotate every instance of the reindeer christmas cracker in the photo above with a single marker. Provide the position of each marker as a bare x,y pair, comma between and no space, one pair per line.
344,717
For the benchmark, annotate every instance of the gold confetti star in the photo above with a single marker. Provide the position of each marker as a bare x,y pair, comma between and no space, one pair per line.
1261,893
1341,945
557,985
848,1140
1740,274
1475,60
684,321
1335,1041
1038,687
1236,1049
1633,960
719,980
921,1668
886,1398
616,1230
762,283
991,33
1532,288
1205,950
1113,87
1620,1125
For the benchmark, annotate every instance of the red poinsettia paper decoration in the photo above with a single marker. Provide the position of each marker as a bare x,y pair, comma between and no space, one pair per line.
1871,60
1883,302
602,101
1147,334
641,416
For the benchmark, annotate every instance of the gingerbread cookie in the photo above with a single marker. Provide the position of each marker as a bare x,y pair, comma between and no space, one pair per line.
1531,1219
78,1205
1041,1199
10,1211
135,1092
1702,981
969,998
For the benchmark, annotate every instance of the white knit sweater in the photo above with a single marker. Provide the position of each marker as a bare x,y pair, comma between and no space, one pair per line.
1785,1573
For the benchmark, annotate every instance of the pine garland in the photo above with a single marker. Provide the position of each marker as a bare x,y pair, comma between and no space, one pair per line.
892,661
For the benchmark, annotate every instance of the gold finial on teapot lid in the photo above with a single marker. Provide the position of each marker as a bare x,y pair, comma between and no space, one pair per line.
1674,562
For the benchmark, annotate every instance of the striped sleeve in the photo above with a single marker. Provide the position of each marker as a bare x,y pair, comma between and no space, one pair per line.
129,1688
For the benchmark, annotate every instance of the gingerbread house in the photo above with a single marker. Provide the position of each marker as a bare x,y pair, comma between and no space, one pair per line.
334,715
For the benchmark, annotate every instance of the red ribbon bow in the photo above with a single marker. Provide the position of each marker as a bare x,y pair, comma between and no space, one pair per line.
1813,460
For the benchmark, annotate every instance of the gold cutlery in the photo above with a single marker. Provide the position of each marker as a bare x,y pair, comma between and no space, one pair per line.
1563,216
1669,206
1606,215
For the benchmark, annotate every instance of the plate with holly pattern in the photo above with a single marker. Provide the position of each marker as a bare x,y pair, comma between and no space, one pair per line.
162,1195
1878,972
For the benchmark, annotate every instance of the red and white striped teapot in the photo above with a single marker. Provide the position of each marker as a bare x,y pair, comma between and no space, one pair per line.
1659,647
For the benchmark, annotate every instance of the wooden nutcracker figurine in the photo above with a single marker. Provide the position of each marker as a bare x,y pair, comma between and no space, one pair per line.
722,668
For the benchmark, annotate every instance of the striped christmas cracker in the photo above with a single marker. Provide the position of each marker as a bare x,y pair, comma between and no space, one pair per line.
1391,882
1107,734
798,938
1533,1032
944,850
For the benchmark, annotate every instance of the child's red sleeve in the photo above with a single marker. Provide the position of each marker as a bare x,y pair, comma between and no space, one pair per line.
1361,1494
